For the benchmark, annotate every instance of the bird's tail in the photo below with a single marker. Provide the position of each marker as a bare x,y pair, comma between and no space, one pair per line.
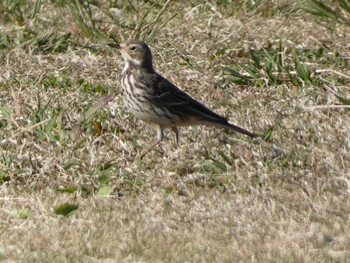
241,130
223,123
203,115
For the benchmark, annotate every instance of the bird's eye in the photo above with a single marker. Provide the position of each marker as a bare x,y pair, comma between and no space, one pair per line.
132,48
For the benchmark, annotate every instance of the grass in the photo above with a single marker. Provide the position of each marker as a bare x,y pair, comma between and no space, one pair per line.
72,187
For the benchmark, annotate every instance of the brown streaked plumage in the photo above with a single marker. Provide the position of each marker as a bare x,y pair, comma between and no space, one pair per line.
153,99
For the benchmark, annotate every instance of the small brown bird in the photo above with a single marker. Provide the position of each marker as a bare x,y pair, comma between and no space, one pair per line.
153,99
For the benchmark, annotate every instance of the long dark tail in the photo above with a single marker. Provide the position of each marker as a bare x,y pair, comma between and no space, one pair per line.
204,115
223,123
241,130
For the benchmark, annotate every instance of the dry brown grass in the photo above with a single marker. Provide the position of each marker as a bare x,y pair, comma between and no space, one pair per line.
218,197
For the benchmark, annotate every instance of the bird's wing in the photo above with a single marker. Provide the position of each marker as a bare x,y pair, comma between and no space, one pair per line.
168,95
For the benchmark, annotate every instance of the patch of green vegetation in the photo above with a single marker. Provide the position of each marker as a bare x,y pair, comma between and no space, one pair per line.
90,87
343,100
21,213
105,190
47,122
43,42
282,65
6,112
273,66
6,160
68,189
2,176
212,167
329,11
65,209
17,11
96,20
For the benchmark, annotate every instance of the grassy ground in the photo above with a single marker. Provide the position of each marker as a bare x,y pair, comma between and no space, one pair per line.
219,196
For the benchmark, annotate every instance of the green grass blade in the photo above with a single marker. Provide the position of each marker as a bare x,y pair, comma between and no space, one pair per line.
36,9
300,67
254,73
318,8
343,100
65,209
236,76
50,125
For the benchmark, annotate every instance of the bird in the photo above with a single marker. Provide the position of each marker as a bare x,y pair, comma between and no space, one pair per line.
153,99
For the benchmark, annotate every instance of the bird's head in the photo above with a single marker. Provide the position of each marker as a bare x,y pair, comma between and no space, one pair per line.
136,54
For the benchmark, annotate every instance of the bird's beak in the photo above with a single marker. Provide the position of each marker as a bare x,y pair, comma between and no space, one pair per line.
114,45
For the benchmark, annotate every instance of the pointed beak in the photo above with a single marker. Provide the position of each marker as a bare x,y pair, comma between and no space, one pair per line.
117,46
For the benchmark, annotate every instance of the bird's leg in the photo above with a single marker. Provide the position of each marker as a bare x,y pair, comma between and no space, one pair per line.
160,137
176,130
